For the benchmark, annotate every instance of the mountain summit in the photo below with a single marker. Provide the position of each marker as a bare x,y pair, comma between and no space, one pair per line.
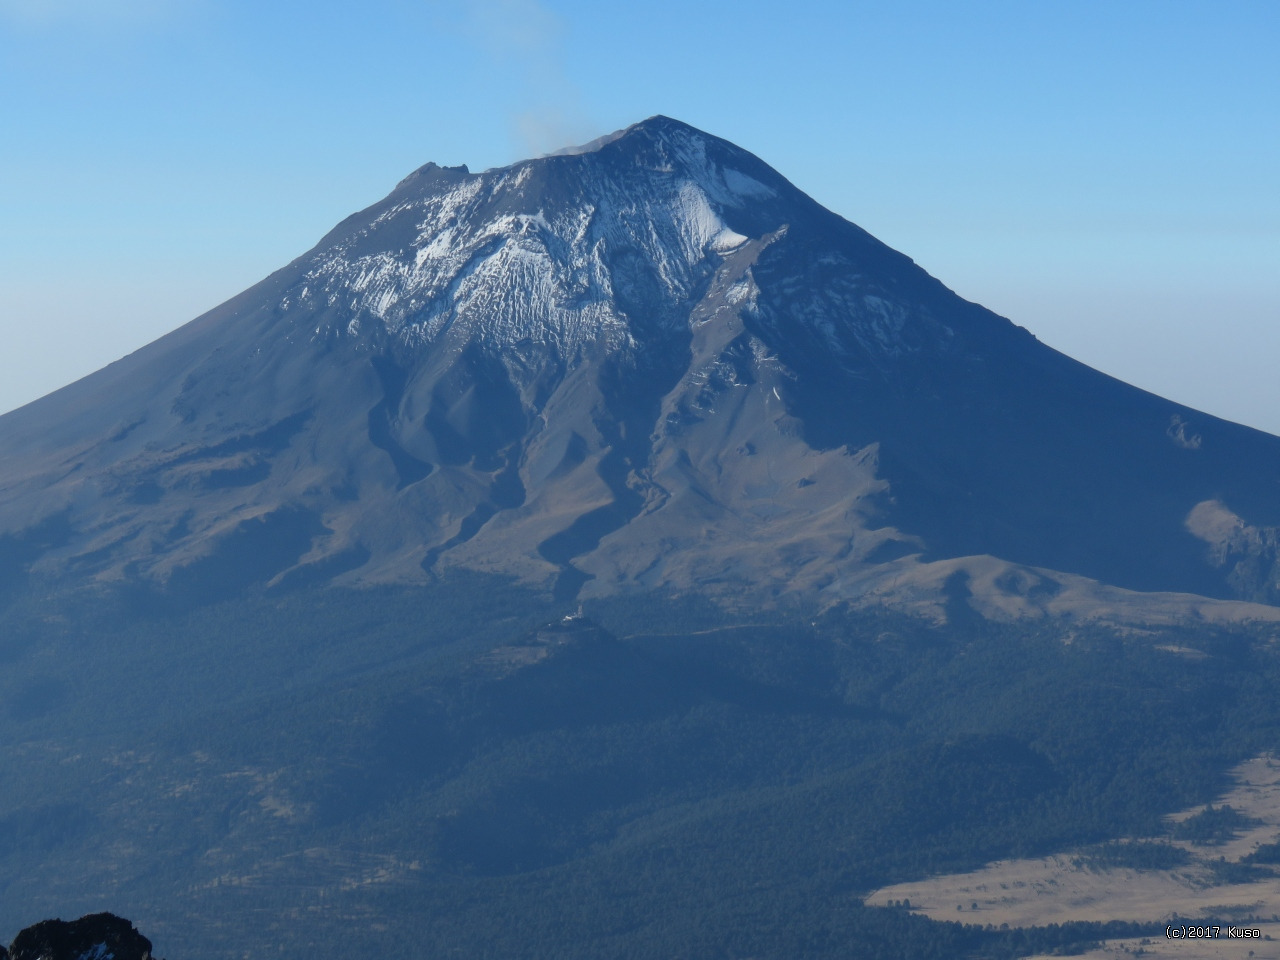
650,364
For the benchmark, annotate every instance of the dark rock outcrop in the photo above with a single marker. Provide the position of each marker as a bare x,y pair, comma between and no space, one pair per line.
98,936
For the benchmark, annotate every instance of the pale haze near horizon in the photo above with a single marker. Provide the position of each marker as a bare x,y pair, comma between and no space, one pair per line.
1104,177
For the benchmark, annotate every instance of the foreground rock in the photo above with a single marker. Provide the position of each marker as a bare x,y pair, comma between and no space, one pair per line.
98,936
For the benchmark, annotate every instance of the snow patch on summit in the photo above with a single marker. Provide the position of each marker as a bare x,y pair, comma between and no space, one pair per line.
490,257
701,228
739,184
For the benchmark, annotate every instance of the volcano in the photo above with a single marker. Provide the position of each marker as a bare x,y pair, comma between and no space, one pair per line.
646,365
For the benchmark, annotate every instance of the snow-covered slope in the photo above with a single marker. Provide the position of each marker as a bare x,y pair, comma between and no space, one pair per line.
529,255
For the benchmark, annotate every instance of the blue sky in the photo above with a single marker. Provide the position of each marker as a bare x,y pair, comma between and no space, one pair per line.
1104,174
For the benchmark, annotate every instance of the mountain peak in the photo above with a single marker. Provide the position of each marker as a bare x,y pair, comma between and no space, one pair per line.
655,127
598,243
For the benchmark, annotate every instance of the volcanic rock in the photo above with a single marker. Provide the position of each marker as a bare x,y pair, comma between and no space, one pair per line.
97,936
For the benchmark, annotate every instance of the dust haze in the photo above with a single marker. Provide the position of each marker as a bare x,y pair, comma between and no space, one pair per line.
526,37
